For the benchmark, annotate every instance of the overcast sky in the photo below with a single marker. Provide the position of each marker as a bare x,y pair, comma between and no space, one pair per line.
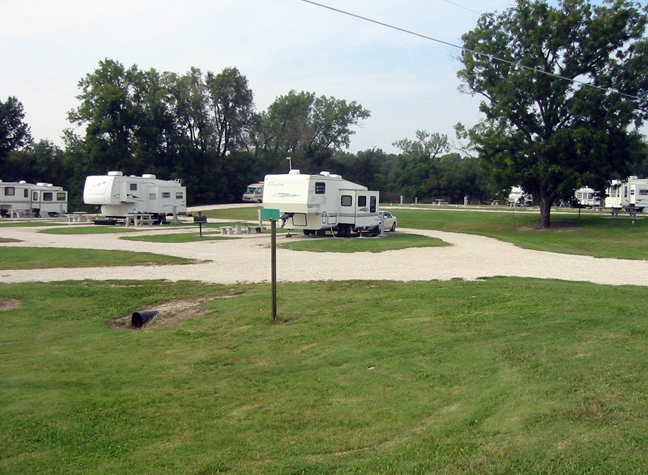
408,83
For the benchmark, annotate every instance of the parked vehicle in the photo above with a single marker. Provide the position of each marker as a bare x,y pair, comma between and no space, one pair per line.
587,197
120,196
40,200
519,197
630,195
253,193
390,221
320,203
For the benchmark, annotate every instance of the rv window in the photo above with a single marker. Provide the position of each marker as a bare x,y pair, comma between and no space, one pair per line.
320,187
26,193
179,195
133,186
10,191
362,201
372,206
61,196
48,196
35,196
166,194
347,200
152,196
643,191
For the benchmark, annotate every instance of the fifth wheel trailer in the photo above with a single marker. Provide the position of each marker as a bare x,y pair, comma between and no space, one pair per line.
320,203
120,195
32,199
630,195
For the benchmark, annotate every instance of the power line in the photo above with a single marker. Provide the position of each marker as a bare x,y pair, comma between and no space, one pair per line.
461,6
463,48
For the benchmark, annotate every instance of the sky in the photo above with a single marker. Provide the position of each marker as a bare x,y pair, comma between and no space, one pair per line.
406,82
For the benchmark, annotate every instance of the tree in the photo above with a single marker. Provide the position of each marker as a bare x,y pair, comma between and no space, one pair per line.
232,104
428,144
563,89
14,133
107,110
307,128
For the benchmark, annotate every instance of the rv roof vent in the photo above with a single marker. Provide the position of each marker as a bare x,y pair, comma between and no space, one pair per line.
115,174
22,182
0,181
293,172
632,177
49,185
325,173
41,184
335,175
148,175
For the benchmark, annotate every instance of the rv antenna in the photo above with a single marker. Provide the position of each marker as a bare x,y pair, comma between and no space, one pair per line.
289,163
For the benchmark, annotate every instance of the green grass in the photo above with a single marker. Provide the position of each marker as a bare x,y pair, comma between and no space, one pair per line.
176,237
596,235
392,241
26,224
44,258
494,377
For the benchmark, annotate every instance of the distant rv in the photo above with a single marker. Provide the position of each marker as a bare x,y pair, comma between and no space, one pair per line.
587,197
254,193
320,203
120,196
28,199
630,195
518,197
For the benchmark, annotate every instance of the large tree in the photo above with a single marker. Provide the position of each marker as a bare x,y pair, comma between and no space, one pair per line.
307,128
563,89
14,132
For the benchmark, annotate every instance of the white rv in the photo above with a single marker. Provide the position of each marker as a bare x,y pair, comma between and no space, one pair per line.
120,196
518,197
630,195
254,193
320,203
587,197
29,199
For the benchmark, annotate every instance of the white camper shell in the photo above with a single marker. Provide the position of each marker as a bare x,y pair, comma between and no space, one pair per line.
120,196
630,195
320,203
254,193
587,197
29,199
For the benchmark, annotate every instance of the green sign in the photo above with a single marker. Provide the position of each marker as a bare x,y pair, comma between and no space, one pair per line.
269,213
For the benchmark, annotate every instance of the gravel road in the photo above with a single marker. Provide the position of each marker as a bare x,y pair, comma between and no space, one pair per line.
246,258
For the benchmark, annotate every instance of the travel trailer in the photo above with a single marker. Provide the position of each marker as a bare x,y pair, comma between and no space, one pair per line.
587,197
630,195
254,193
120,196
518,197
28,199
320,203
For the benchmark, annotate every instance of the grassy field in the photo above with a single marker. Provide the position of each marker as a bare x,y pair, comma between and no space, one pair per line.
493,377
591,234
392,241
51,257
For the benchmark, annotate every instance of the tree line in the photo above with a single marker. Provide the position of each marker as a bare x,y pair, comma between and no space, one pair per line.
203,128
564,92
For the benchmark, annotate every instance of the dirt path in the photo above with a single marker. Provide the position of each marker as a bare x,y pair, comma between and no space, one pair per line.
247,259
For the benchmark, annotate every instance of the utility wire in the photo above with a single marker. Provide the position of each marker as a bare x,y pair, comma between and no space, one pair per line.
463,48
461,6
